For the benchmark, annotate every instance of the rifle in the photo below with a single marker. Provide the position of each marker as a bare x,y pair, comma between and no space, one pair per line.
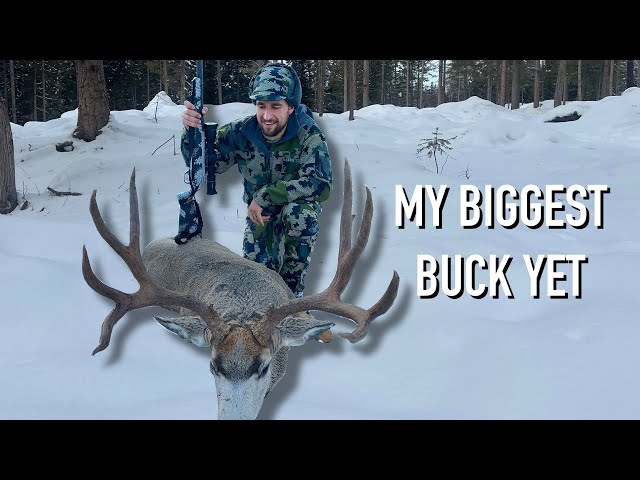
201,159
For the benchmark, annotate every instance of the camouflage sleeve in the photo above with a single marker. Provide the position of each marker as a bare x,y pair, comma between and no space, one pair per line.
314,182
223,147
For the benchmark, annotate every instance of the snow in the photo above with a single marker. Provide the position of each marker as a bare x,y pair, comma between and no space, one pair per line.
437,358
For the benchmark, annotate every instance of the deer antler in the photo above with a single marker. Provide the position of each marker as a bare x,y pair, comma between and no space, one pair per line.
149,293
329,300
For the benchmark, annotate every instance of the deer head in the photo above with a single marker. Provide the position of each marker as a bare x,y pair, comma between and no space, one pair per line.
248,358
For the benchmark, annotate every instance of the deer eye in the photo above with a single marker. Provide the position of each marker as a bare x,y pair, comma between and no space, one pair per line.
264,370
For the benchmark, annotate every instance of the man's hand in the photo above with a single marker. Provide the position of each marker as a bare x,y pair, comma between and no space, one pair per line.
191,118
255,214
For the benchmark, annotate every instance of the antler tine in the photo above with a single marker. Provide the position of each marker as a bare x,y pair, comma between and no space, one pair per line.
345,217
121,300
347,255
367,316
329,300
134,216
130,254
149,293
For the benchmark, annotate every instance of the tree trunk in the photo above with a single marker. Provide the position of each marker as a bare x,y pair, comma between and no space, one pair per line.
515,85
536,85
148,87
165,77
630,80
612,68
382,85
503,83
8,193
345,89
4,80
579,80
604,83
499,84
14,115
183,86
351,85
421,83
562,73
44,96
542,69
465,86
320,87
408,97
35,92
219,68
392,83
444,81
440,82
565,87
354,86
93,101
365,84
489,86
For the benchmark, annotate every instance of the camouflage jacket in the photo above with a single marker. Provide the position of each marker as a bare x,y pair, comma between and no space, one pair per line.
296,167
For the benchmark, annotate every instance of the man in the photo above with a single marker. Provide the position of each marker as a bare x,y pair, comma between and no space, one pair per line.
284,162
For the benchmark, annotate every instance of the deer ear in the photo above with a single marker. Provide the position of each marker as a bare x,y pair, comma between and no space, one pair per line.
190,328
297,331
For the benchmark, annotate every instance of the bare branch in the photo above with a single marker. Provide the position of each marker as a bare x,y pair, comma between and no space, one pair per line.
62,194
174,144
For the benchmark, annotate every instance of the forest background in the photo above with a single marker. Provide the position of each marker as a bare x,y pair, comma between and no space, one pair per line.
40,90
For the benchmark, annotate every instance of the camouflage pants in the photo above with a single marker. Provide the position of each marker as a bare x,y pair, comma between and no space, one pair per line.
285,242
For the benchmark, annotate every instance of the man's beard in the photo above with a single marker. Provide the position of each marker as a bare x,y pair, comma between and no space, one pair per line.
278,128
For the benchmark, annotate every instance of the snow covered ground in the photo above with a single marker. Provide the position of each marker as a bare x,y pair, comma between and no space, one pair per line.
427,358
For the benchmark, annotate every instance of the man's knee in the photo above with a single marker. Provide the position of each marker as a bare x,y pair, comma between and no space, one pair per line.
300,220
258,244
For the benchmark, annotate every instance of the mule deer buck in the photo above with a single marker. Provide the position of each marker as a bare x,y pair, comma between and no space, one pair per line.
244,312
